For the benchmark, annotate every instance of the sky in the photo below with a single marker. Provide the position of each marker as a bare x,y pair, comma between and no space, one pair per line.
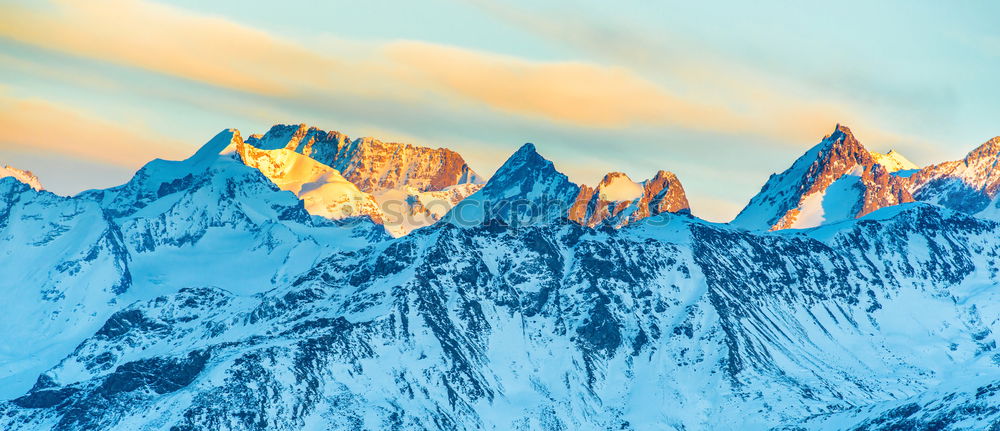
721,93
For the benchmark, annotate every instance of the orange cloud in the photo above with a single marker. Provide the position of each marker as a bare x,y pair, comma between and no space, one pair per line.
216,51
37,126
220,52
573,92
167,40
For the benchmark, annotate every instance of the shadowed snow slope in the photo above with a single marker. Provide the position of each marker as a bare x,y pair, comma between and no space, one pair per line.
62,263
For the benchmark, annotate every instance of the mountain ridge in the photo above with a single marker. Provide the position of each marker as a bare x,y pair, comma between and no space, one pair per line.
220,302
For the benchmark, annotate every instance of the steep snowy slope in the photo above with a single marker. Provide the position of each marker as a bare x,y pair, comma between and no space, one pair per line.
618,201
893,161
372,165
184,214
23,176
968,401
965,185
836,180
62,265
324,191
992,210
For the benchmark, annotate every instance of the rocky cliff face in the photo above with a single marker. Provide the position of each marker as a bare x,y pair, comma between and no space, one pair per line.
402,187
836,180
370,164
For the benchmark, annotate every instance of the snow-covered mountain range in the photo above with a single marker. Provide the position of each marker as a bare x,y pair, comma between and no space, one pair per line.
263,285
839,179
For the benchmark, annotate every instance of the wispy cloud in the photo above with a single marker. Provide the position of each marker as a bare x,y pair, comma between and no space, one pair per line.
38,127
751,100
572,92
168,40
217,51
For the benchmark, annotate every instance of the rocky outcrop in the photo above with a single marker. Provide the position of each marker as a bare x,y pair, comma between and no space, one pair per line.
618,201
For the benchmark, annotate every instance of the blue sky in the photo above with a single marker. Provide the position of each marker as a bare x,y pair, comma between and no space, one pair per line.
721,94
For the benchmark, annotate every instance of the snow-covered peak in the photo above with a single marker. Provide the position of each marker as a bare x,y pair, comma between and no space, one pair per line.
800,192
617,186
527,174
23,176
526,189
893,161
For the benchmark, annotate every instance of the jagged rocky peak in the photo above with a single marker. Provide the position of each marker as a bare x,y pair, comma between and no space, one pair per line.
529,189
989,150
527,174
837,179
23,176
966,185
526,189
372,165
618,201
